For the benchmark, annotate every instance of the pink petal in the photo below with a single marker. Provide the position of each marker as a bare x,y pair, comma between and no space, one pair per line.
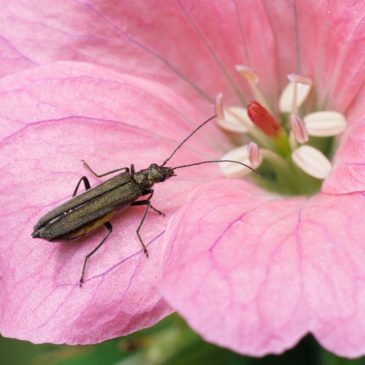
295,25
321,39
51,118
340,63
133,37
255,272
348,172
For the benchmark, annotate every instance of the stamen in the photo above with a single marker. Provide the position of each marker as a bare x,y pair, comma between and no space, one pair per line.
298,128
300,79
263,119
233,119
284,150
252,78
295,93
325,124
312,161
240,154
254,155
218,106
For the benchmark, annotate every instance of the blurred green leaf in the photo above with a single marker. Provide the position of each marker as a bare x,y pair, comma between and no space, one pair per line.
170,342
106,353
330,359
13,352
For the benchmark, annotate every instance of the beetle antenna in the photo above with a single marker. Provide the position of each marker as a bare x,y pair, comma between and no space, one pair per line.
212,161
184,140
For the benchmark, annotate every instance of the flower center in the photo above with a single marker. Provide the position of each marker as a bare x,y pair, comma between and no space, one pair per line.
290,149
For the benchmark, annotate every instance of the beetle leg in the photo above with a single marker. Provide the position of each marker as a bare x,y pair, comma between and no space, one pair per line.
106,173
109,227
86,183
148,204
144,202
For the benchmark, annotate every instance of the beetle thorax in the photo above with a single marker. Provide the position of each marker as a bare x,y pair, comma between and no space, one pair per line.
154,174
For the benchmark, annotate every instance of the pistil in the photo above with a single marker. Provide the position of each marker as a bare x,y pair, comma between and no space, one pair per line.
263,119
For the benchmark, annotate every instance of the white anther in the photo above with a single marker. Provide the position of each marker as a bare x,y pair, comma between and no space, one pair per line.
252,78
298,129
325,124
233,118
230,169
294,93
312,161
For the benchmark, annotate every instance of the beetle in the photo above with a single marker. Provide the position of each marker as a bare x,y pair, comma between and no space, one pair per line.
95,207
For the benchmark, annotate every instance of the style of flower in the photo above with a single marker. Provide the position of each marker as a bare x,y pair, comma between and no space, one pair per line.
251,264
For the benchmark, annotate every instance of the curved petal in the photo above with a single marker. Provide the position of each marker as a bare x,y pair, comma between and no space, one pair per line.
340,64
260,271
51,118
322,39
295,26
348,171
148,38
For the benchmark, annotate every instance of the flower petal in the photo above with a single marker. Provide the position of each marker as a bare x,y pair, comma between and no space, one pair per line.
52,118
324,40
261,271
348,173
318,38
131,37
341,68
296,26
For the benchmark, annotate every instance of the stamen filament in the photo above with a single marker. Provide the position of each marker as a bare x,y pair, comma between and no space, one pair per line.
252,78
295,97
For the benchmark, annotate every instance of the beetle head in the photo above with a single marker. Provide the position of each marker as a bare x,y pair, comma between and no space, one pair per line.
154,174
158,173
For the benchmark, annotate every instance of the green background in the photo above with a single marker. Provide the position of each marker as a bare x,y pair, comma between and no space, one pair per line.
170,342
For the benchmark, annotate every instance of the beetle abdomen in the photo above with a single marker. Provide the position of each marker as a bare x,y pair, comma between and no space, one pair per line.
82,219
84,230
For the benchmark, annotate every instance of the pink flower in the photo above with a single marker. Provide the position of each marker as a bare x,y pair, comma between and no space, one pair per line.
52,117
248,269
